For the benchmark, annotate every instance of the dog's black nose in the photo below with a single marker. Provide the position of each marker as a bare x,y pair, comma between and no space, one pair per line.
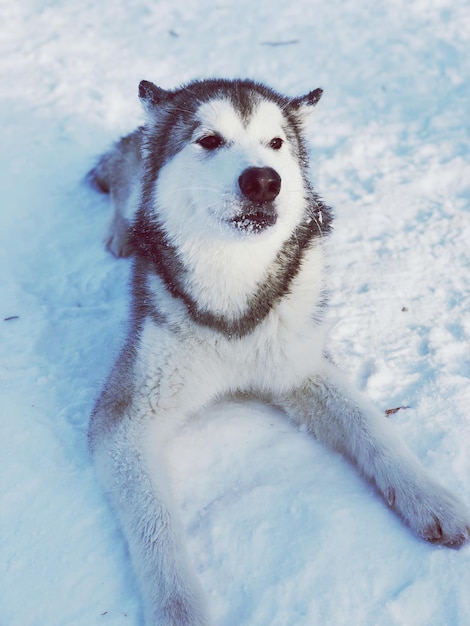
260,184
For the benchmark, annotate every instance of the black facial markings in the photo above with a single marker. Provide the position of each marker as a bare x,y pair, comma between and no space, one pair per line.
171,132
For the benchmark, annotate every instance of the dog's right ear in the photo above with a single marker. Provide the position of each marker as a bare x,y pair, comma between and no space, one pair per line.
152,97
308,101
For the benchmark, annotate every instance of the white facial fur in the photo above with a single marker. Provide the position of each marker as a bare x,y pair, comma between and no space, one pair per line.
197,191
210,194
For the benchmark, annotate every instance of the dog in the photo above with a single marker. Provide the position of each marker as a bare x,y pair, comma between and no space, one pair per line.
213,201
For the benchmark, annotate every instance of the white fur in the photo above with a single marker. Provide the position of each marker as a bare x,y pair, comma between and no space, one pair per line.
180,366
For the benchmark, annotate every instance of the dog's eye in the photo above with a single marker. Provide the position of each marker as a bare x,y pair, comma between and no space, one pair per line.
210,142
276,143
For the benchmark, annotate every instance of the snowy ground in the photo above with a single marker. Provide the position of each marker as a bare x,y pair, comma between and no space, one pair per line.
282,532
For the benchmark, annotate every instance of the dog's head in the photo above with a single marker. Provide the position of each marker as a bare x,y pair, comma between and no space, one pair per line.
225,158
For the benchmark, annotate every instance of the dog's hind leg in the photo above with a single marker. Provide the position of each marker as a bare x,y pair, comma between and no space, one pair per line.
138,489
344,420
118,172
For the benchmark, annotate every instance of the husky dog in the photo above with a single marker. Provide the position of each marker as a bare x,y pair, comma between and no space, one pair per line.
228,294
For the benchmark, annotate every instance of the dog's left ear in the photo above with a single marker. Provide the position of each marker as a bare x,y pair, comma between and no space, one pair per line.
152,97
304,104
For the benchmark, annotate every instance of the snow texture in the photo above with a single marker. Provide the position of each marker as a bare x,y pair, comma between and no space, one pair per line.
282,532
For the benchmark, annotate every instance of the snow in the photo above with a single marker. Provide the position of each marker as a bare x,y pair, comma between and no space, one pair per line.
281,531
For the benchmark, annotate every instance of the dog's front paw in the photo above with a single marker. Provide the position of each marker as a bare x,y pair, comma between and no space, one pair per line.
434,514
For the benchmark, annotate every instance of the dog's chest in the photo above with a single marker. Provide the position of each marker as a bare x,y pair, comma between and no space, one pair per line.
183,364
284,351
179,370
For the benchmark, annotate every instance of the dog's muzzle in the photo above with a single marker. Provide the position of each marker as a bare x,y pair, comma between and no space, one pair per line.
260,186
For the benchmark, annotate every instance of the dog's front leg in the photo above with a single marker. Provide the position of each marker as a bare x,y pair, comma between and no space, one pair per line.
344,420
137,485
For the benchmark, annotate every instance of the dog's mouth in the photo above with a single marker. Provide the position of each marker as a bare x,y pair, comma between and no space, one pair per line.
255,220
